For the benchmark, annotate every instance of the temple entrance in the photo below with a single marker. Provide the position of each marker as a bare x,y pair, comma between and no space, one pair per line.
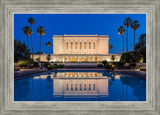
70,59
65,59
95,59
76,59
81,59
90,59
86,59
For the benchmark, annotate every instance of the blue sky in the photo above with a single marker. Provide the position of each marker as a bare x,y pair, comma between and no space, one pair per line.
60,24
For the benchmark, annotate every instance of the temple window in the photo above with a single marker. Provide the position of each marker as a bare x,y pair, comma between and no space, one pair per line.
76,88
71,45
89,86
76,45
84,45
89,45
80,45
80,86
85,87
67,87
93,45
94,87
71,87
67,45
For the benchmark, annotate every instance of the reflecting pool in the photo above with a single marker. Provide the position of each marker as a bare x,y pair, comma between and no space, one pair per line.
80,86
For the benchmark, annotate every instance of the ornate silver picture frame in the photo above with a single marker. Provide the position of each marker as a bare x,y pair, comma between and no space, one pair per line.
7,10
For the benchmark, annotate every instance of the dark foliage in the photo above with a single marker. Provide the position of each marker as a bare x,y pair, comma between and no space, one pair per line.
138,54
21,52
130,57
140,47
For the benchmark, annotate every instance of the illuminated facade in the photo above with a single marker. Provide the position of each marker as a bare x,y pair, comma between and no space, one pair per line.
80,84
77,84
78,48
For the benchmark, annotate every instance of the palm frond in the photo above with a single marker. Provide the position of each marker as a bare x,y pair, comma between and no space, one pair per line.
27,31
31,21
48,44
121,30
127,22
135,25
40,30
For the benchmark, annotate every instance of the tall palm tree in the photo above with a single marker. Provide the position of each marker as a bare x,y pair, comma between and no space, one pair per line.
127,23
27,31
121,30
110,47
31,21
135,26
41,32
48,44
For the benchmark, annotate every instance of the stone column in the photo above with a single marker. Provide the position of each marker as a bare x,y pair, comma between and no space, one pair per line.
69,47
73,50
87,47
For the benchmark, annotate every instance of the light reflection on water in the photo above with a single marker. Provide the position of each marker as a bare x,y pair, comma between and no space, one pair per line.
80,86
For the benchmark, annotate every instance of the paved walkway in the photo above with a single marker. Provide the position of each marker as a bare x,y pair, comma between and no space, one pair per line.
132,73
27,72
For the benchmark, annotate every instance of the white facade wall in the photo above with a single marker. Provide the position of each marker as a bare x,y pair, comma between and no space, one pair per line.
80,44
90,48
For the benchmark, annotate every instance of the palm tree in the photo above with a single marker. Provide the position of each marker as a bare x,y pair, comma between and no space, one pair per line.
48,44
27,31
110,47
121,30
31,21
135,26
41,32
127,23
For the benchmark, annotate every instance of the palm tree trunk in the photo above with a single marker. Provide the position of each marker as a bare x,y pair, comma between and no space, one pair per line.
27,42
40,48
123,42
134,37
127,39
31,43
32,46
49,50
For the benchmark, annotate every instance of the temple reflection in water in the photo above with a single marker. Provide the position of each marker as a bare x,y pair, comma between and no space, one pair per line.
80,84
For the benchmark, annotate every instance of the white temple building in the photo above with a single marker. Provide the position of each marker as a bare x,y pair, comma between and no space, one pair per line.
79,48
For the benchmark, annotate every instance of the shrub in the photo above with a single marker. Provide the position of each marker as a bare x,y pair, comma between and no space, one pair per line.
118,64
60,65
104,62
55,66
35,64
133,66
99,65
110,66
46,64
49,67
25,63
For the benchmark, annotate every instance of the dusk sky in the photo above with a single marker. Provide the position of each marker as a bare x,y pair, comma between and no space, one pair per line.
78,24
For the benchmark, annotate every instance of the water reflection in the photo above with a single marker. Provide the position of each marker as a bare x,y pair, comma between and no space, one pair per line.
80,86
